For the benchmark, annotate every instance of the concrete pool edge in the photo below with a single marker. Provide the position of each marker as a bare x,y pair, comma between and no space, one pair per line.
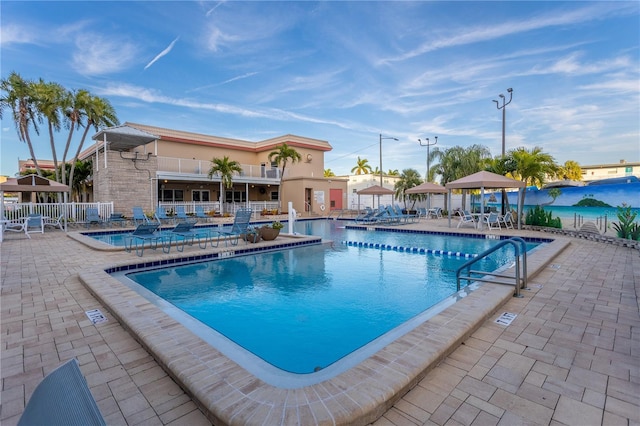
230,395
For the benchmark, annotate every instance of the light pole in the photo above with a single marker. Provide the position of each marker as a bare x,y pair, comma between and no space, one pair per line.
381,138
428,145
504,119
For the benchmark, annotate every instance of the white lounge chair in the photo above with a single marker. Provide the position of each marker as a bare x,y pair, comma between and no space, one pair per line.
54,223
492,220
466,219
506,219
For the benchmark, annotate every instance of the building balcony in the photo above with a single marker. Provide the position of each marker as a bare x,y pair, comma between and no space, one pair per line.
185,168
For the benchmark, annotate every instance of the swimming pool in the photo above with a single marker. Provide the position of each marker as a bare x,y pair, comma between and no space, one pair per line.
315,308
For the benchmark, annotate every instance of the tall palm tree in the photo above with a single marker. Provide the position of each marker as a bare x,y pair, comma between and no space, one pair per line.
408,179
74,104
570,170
48,101
99,113
532,167
17,94
362,167
281,156
225,168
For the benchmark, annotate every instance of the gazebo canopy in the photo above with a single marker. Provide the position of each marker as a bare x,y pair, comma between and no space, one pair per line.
484,180
32,183
427,188
376,190
124,137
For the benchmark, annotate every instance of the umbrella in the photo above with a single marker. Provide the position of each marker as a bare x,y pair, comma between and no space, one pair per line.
427,188
374,190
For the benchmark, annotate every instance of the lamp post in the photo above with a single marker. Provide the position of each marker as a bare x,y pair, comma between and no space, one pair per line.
504,119
428,145
381,139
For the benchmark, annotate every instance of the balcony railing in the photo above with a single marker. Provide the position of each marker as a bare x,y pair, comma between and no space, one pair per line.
202,167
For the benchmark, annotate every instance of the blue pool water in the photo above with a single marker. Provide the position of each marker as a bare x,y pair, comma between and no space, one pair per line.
303,309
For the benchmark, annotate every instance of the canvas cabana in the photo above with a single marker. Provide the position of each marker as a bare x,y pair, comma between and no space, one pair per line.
427,188
374,190
33,183
483,180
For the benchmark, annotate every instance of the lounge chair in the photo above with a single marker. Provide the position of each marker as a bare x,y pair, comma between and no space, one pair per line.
185,230
93,217
507,220
162,217
181,214
147,233
466,219
35,223
139,217
117,218
62,398
408,217
364,217
492,220
200,214
435,212
18,225
54,223
239,227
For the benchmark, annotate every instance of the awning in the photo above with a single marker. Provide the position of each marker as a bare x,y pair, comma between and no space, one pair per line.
124,137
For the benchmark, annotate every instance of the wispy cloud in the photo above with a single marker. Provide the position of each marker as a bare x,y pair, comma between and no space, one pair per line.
231,80
97,55
163,53
16,34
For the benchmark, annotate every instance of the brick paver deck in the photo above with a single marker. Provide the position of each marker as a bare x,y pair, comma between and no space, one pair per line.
570,357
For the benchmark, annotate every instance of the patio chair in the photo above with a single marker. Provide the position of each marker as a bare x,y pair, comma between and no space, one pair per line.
364,217
139,217
17,225
62,398
35,223
181,214
466,219
185,230
93,217
146,233
239,227
435,212
422,213
117,218
200,214
492,220
507,220
54,223
162,216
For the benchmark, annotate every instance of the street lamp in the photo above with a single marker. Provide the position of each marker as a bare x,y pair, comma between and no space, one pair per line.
381,138
428,145
504,118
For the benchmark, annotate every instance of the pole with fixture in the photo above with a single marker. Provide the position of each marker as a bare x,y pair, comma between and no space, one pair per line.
504,118
426,179
381,139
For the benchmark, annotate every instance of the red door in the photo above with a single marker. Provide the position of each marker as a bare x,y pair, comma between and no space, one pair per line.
335,199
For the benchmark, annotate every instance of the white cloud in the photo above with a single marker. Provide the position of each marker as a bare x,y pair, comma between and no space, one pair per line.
16,34
97,55
163,53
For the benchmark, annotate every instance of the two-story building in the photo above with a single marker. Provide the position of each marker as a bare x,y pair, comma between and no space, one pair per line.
140,165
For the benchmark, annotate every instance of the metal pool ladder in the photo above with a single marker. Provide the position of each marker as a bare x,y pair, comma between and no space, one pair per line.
519,280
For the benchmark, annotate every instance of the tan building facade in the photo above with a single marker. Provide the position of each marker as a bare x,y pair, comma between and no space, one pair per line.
170,167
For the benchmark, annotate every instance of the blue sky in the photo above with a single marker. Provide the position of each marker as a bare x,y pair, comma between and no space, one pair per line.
345,72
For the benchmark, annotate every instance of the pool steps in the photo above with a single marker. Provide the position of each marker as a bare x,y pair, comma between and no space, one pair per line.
419,250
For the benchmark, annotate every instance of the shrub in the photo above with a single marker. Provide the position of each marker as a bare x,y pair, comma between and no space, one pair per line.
538,217
627,228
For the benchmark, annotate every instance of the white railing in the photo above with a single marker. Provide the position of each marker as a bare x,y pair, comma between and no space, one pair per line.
76,212
214,206
202,167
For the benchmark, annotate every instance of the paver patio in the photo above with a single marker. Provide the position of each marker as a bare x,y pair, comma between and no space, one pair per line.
570,357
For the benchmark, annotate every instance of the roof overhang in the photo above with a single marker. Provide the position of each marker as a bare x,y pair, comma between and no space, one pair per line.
121,138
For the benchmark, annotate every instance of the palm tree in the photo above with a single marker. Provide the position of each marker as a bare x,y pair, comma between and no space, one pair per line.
393,172
408,179
281,156
74,103
362,167
48,100
99,113
225,168
570,170
17,94
532,167
328,173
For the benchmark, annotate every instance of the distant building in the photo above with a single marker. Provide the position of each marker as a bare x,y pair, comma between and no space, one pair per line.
359,182
24,165
607,171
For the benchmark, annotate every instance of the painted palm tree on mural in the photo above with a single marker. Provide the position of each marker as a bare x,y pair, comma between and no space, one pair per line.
281,156
225,168
362,167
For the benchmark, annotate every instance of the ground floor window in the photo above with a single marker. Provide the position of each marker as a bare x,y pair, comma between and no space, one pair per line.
200,195
171,195
235,196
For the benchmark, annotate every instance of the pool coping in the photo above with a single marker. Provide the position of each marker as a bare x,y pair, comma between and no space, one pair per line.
228,394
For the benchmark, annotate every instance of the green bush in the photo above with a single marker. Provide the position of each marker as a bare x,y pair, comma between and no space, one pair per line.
538,217
627,228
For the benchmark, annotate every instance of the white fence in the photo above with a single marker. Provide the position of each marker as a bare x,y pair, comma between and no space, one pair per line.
76,212
231,208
